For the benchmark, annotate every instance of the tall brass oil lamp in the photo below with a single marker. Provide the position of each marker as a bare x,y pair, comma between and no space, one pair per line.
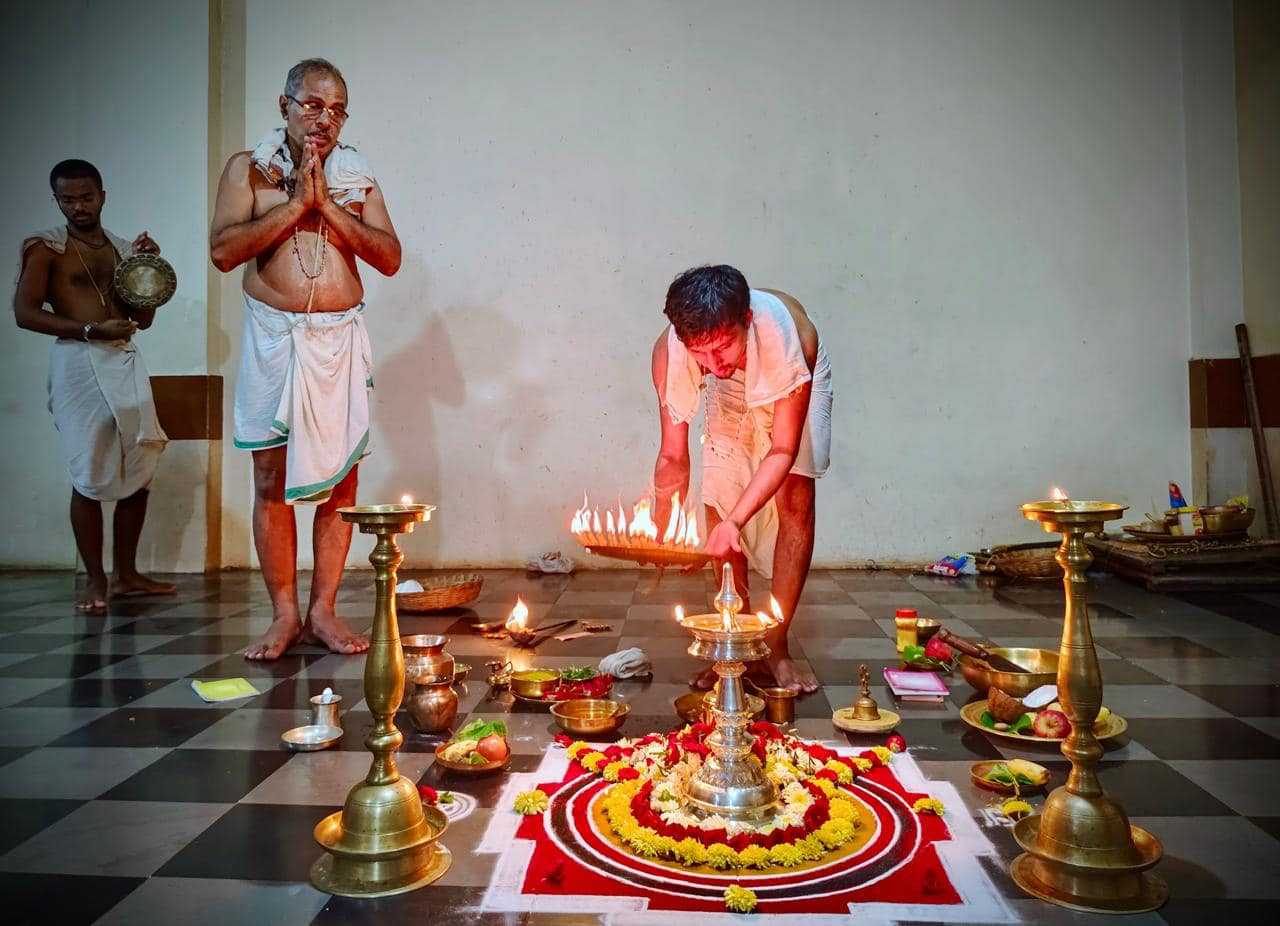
731,782
383,841
1081,850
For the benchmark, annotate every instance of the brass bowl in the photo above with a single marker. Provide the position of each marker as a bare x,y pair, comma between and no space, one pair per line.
526,687
1224,519
692,707
589,716
982,677
925,628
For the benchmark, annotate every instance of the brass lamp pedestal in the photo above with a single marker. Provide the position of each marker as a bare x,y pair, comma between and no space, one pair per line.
731,782
383,841
1081,850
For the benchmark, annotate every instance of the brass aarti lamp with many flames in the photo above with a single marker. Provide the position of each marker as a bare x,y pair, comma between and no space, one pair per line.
383,841
1081,850
731,782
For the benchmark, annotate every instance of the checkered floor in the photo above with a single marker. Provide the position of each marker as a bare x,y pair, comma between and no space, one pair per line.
126,799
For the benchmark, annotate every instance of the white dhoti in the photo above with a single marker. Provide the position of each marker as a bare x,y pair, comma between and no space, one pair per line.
738,424
100,398
304,384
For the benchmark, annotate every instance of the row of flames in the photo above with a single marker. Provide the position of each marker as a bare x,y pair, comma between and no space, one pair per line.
615,530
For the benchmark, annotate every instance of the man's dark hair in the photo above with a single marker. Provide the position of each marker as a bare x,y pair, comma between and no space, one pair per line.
704,300
73,169
299,72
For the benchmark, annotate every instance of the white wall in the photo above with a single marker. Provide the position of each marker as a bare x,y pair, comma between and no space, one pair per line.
123,85
983,205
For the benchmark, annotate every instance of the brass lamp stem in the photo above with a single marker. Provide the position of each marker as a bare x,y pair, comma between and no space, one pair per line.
384,666
1079,675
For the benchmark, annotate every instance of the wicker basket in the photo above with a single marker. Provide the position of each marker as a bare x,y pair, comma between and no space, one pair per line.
441,592
1021,561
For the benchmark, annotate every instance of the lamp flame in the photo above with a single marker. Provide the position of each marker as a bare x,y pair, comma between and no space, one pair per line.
779,617
1058,495
519,616
638,530
406,499
679,614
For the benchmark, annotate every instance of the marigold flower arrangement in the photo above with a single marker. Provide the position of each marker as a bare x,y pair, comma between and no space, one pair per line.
647,775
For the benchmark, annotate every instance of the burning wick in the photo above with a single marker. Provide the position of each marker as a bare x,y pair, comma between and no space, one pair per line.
516,623
1057,494
640,531
776,608
680,614
406,499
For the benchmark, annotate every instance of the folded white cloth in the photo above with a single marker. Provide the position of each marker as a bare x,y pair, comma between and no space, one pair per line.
100,398
627,663
304,382
554,562
55,239
738,424
346,170
408,586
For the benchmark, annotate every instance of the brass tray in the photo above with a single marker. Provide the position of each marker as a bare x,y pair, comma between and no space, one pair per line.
971,714
653,556
464,768
1160,537
144,281
978,769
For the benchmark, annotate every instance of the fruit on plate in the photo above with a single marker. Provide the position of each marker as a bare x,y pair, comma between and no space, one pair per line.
1104,713
1018,771
1051,725
493,747
1003,707
937,650
1021,725
478,743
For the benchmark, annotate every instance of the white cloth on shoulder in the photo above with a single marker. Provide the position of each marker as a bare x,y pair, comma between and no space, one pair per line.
738,425
101,402
304,383
346,170
55,239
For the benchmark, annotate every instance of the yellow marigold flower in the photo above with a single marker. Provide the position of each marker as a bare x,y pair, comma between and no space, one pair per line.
785,855
828,787
864,765
644,841
576,749
665,845
691,852
531,802
591,761
843,772
611,770
929,805
754,857
739,899
835,833
883,754
840,809
721,856
811,847
1015,809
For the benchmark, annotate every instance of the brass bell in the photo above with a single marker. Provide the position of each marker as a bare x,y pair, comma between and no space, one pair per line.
865,708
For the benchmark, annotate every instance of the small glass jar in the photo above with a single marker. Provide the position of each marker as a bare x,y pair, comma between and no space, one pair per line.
904,620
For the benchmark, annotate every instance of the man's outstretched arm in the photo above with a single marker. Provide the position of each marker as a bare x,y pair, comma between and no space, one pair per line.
671,471
235,236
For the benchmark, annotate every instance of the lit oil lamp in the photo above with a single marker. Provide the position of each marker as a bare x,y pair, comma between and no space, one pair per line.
518,624
637,537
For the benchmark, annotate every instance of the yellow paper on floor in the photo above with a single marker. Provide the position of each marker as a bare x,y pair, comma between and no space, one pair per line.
223,689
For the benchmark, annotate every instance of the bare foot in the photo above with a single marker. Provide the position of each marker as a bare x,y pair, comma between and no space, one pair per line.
790,675
94,597
138,584
282,634
704,680
331,631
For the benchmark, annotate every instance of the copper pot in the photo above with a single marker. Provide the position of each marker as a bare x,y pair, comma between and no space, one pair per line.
1042,662
425,659
432,706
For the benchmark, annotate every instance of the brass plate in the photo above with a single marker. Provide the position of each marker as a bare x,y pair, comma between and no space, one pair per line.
649,556
144,281
322,875
971,714
589,716
1151,895
843,719
465,769
1174,539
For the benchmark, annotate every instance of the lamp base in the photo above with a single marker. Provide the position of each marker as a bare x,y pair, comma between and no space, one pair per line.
1089,891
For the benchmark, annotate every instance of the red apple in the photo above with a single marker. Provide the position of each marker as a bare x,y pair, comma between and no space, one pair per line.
493,747
895,743
1051,725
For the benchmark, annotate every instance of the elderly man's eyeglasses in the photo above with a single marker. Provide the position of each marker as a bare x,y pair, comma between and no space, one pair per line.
311,110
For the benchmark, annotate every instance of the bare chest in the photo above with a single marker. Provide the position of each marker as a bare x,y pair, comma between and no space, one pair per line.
84,268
